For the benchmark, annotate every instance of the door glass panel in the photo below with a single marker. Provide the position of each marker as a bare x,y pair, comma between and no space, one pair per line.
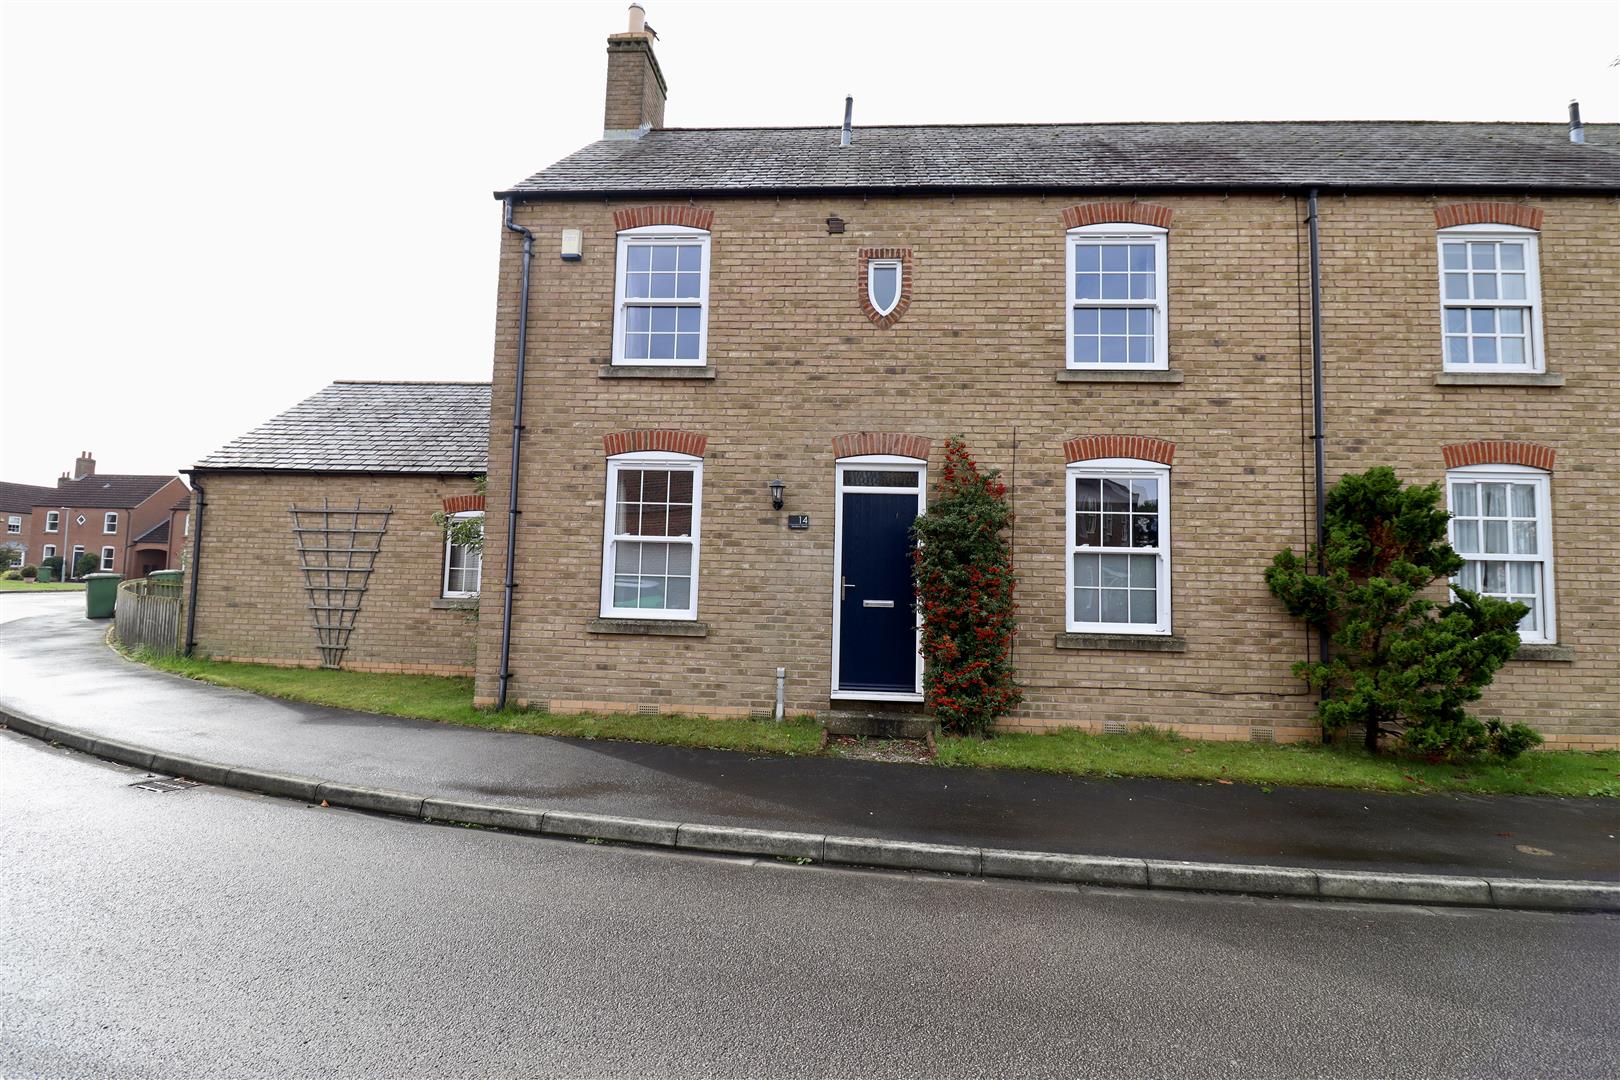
901,478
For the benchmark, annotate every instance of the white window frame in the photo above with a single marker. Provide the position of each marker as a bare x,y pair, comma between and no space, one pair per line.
671,234
53,521
109,522
656,459
1535,343
1117,468
109,559
899,266
1542,481
47,552
1124,232
73,567
13,524
444,581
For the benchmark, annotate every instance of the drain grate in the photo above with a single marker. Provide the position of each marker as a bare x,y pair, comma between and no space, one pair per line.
158,783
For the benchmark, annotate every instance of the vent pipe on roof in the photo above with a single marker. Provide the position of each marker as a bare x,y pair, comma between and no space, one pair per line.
1577,133
849,113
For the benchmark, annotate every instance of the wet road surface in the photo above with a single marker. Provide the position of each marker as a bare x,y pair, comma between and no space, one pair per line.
56,668
217,933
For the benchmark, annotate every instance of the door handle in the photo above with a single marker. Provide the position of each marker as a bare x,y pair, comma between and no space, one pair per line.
844,586
877,603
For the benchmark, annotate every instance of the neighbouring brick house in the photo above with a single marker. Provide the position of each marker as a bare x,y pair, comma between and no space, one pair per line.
1118,316
17,512
109,515
361,575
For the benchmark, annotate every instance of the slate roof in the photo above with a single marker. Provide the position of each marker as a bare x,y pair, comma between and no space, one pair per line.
22,498
370,427
157,534
1336,154
113,491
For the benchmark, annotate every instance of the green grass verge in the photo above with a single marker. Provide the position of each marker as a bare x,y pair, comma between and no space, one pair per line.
1138,754
449,701
35,586
1165,755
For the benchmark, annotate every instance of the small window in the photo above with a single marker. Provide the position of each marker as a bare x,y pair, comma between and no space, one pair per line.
53,521
14,523
1490,299
883,284
185,524
109,523
48,552
463,563
1502,527
650,541
1116,287
661,297
107,556
1119,547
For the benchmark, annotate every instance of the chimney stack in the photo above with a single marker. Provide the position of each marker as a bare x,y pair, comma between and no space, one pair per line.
635,86
1577,132
85,466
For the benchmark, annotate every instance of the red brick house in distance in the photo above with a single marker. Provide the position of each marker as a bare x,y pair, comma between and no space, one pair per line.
1120,318
132,523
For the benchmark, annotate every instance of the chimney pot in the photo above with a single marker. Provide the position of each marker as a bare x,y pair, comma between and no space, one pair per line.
1577,132
638,18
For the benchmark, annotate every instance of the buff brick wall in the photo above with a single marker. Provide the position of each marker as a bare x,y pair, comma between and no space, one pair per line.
797,362
252,605
1383,406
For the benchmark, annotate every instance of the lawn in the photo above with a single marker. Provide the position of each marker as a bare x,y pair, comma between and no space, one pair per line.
449,701
35,586
1138,754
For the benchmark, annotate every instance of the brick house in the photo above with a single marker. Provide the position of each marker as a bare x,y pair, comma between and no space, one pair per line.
17,511
110,515
360,576
1118,316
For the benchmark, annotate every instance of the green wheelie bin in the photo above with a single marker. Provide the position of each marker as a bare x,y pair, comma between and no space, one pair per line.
101,595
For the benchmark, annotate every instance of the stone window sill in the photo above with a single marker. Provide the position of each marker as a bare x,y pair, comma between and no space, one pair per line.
455,603
1152,375
1558,653
1123,642
652,627
654,371
1497,378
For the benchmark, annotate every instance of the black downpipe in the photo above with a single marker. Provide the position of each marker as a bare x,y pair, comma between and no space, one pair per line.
196,564
1317,436
517,434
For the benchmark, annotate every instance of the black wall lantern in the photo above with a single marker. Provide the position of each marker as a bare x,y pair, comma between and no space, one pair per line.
777,490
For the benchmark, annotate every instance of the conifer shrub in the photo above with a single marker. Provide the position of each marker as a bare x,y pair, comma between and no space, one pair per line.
965,582
1402,665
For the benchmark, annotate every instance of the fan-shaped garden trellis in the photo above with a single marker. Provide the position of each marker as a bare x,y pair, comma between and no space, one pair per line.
337,550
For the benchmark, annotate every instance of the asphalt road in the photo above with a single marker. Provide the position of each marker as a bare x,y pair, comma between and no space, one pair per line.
55,667
217,933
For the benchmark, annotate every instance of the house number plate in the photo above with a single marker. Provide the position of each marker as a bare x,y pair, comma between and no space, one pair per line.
798,521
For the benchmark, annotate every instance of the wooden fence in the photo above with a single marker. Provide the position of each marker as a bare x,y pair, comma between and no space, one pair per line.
148,614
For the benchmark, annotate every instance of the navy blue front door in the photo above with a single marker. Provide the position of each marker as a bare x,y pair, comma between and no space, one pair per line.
877,645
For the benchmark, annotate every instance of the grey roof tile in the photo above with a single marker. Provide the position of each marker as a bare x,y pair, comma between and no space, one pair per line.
1334,154
378,427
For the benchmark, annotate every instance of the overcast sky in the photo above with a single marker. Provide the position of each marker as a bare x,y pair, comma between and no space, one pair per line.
210,210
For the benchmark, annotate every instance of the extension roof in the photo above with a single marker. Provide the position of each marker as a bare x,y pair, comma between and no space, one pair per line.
157,534
112,491
22,498
370,427
1363,154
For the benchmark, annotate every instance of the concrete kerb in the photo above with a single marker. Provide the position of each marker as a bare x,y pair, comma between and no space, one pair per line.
1552,895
